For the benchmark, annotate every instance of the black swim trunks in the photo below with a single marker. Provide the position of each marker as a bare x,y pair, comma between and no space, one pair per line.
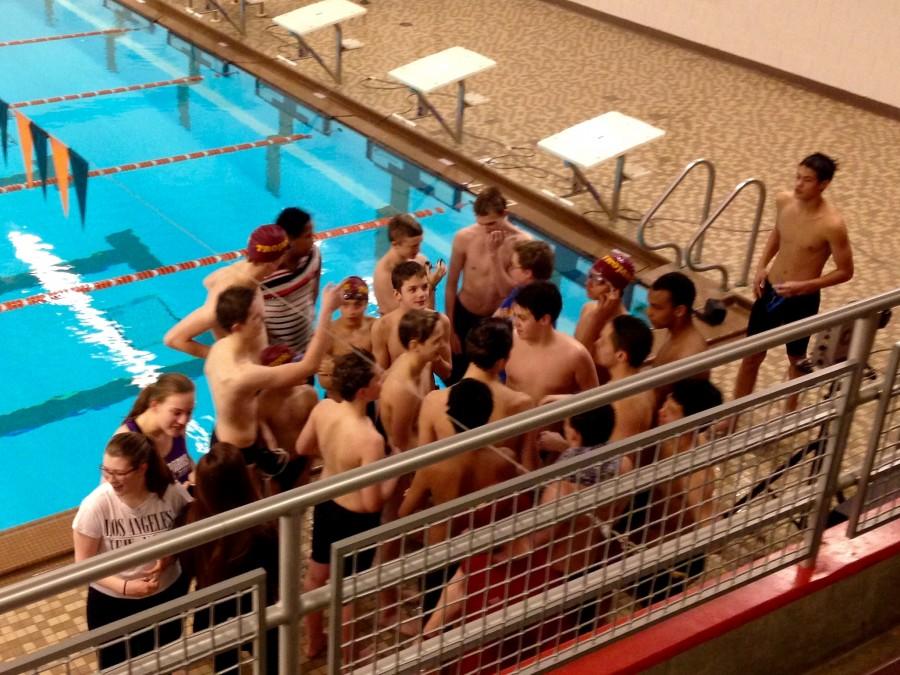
277,464
463,322
772,310
331,523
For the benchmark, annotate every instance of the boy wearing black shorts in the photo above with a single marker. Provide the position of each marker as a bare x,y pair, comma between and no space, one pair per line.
346,439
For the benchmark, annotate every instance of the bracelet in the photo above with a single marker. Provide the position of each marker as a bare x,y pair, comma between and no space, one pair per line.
125,588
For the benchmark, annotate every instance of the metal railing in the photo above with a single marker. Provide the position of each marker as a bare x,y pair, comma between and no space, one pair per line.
648,217
247,626
694,248
537,564
809,498
877,498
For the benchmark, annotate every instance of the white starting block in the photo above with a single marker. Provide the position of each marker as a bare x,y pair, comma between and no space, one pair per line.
595,141
438,70
304,20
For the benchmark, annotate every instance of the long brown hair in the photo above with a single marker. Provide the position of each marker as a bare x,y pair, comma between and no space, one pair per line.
165,386
222,483
138,449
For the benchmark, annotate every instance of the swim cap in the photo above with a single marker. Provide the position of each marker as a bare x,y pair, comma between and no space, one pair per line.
616,268
267,244
354,288
276,355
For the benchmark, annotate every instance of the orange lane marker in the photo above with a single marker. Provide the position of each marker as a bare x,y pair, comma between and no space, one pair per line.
66,36
106,92
174,159
42,298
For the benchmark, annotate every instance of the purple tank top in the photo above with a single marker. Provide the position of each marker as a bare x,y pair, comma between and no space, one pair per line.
178,460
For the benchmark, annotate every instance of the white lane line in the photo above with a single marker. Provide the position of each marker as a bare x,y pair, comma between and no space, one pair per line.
95,328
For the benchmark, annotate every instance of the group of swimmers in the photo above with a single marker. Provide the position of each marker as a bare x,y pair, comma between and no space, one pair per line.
497,350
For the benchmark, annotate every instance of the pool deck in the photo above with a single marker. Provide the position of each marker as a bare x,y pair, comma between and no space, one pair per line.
555,68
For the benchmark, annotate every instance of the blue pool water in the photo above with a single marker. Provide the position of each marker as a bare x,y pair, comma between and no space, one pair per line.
71,369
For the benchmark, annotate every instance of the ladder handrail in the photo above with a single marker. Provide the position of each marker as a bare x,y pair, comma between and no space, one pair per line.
697,266
710,184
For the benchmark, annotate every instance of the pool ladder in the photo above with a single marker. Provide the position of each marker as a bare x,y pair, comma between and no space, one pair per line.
691,255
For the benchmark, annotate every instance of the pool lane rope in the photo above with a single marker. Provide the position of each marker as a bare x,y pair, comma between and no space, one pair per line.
65,36
192,79
174,159
43,298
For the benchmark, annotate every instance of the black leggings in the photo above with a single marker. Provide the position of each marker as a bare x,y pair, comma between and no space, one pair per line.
103,609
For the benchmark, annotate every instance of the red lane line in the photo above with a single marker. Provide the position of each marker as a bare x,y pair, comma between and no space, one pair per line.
122,168
107,92
42,298
66,36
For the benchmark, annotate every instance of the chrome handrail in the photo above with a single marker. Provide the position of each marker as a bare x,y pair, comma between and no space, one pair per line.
697,240
710,184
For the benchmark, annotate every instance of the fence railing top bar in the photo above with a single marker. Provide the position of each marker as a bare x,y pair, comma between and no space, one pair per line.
293,501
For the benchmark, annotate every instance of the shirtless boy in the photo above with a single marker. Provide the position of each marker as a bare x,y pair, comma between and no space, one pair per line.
532,260
411,288
605,283
421,333
479,252
283,411
564,549
266,247
290,292
671,307
488,346
353,329
405,234
236,377
624,345
808,231
469,405
543,360
673,507
346,439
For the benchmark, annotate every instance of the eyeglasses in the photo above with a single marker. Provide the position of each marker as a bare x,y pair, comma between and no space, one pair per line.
109,473
355,296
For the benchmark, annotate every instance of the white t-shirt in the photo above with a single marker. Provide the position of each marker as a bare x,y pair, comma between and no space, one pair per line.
102,515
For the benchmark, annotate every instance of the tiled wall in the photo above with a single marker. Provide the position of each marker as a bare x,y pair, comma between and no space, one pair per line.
854,46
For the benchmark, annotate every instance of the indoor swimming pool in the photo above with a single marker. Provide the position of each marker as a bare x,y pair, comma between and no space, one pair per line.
131,93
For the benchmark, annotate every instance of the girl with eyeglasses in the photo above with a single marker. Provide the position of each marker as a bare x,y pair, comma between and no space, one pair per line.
162,412
137,500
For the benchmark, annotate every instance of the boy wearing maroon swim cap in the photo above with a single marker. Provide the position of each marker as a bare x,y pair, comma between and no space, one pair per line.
353,330
266,247
605,283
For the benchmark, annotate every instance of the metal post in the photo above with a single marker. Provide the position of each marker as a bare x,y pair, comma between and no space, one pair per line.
289,592
338,47
707,200
860,346
754,234
617,188
460,109
865,474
